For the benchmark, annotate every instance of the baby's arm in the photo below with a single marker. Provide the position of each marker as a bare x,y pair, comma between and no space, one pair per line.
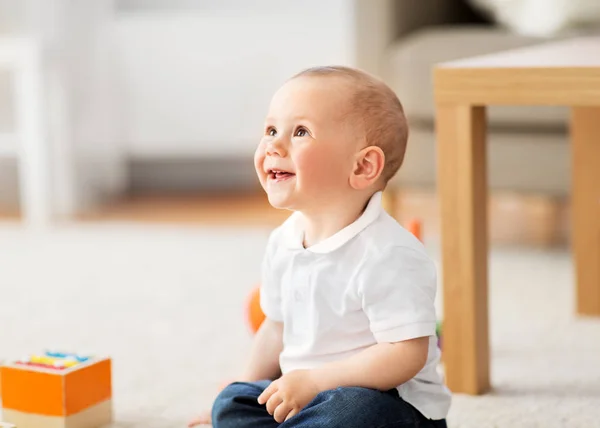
397,290
383,366
264,357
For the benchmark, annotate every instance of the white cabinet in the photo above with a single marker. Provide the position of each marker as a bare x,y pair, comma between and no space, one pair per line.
26,143
64,104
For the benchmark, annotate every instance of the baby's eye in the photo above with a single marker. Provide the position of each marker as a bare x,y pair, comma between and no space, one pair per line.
271,132
301,132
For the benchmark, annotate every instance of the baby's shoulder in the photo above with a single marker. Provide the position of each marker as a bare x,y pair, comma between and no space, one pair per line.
387,235
390,250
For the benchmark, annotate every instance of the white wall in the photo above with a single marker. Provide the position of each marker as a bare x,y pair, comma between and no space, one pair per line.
198,79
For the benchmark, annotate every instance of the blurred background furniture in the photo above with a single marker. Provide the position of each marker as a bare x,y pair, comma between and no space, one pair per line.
541,18
79,162
25,143
433,31
529,167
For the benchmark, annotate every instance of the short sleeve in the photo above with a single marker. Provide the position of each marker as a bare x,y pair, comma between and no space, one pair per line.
270,288
398,294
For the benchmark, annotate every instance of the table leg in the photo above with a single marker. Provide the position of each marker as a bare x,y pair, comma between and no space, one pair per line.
462,187
585,139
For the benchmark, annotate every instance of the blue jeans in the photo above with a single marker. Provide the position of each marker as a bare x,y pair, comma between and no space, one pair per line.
237,407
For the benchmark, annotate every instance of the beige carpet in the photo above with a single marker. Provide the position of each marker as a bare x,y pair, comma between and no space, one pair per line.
167,304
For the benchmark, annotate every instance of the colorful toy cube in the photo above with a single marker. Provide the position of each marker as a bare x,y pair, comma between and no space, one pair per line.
57,390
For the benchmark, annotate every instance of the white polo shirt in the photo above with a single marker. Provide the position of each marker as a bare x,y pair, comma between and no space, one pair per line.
369,283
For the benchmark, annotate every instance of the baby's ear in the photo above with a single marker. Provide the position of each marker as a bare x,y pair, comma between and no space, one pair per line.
368,166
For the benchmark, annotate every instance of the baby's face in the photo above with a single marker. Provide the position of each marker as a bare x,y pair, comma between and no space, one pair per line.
305,156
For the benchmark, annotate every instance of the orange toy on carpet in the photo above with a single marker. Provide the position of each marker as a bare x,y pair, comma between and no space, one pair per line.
254,313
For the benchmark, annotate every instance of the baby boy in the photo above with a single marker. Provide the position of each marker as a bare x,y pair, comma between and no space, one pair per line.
349,336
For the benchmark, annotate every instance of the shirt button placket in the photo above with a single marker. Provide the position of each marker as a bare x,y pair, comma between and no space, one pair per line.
302,284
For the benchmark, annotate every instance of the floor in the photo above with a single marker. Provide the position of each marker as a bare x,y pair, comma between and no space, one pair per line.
539,221
230,209
166,299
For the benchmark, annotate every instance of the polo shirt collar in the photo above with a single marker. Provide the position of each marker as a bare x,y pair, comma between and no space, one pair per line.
295,237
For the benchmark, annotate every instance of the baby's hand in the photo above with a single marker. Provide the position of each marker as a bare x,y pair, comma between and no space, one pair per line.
289,394
203,419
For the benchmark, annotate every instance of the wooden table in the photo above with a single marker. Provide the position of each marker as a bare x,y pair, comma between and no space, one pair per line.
563,73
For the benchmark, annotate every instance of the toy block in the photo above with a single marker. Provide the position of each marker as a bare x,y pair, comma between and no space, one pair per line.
54,390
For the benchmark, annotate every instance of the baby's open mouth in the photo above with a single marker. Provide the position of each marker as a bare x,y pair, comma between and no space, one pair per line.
279,174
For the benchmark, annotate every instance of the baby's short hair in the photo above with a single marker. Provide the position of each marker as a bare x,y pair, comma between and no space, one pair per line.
377,108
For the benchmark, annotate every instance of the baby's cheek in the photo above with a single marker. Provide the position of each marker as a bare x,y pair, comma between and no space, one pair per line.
259,159
318,167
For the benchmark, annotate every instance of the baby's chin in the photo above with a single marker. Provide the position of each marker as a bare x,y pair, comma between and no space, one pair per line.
281,202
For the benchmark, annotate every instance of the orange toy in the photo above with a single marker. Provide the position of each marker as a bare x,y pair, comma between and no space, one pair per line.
62,393
254,313
414,227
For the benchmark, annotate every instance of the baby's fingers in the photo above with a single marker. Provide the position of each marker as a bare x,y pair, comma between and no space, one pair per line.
274,403
281,412
292,413
266,394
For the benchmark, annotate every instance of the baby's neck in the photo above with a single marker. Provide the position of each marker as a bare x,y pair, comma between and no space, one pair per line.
326,221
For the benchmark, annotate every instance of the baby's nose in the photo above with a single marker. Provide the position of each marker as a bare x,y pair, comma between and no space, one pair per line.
275,147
